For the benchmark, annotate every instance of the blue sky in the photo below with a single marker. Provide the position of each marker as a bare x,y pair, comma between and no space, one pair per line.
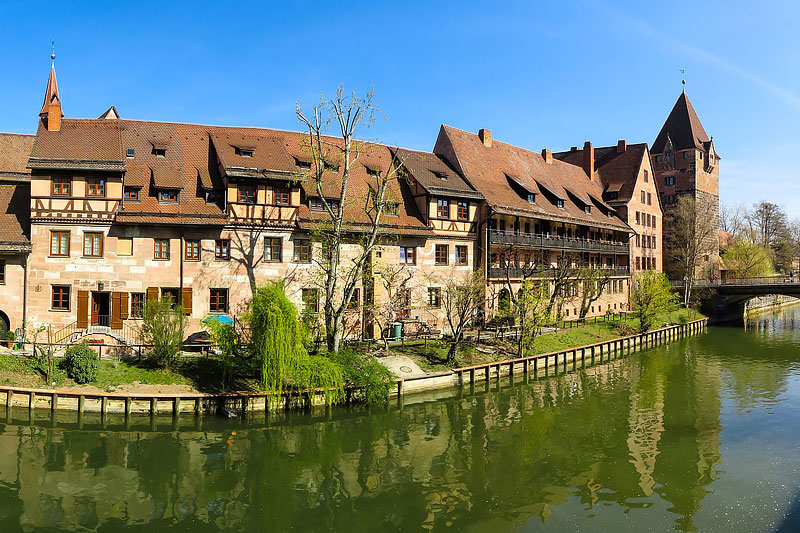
538,74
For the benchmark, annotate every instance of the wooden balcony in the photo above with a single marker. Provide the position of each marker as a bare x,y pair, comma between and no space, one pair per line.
262,213
535,272
554,242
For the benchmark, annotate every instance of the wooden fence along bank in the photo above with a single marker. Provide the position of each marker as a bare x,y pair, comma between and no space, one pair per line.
244,402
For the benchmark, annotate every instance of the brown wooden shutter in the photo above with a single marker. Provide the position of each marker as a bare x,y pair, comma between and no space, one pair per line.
83,309
152,294
123,305
186,300
116,318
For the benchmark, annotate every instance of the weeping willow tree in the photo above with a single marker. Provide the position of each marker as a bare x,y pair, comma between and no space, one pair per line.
277,344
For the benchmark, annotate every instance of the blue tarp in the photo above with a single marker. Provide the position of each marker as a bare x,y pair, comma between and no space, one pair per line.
222,319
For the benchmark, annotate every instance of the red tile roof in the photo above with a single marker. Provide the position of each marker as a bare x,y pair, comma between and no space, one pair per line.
15,211
14,152
617,171
492,170
434,174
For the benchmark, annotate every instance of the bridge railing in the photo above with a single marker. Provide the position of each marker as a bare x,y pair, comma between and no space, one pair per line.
755,281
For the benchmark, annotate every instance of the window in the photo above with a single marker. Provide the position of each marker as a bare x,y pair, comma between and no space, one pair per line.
2,272
168,196
124,246
443,209
305,165
129,152
95,187
244,152
191,250
654,221
316,204
643,196
159,152
171,294
282,196
131,193
669,180
646,176
649,199
637,241
222,249
461,255
273,248
654,241
161,249
408,255
647,220
531,198
392,208
588,209
441,253
218,301
137,304
302,251
92,245
247,194
637,217
434,297
60,299
658,158
310,300
686,155
560,204
638,264
62,186
59,243
462,210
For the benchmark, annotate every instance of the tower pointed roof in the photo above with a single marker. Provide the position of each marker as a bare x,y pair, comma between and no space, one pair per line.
682,127
51,94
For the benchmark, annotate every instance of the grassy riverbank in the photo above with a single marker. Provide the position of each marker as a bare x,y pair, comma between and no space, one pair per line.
431,358
189,375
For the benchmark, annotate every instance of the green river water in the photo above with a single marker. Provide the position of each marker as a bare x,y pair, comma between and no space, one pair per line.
699,435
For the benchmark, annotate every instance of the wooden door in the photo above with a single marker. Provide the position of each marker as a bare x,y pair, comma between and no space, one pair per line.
95,310
83,309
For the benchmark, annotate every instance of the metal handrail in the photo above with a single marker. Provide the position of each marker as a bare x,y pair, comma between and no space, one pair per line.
755,281
518,272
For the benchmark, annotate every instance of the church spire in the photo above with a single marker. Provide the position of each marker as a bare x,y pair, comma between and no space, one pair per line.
51,112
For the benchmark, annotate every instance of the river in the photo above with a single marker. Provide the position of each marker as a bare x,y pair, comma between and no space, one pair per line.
699,435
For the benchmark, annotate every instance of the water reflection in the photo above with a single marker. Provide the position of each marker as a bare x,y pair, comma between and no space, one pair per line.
651,441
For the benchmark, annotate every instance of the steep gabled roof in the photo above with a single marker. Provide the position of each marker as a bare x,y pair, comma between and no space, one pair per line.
434,174
683,128
51,93
491,170
14,152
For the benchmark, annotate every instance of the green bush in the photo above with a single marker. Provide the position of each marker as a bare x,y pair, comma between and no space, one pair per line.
163,327
10,335
372,380
80,362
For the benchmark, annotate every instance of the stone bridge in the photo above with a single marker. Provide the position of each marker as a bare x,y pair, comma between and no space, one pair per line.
726,300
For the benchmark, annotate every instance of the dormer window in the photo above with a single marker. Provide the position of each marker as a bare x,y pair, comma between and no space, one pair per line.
159,152
587,209
560,204
243,152
372,172
129,152
168,196
247,194
531,198
392,208
441,175
316,204
611,214
131,193
305,165
330,166
213,197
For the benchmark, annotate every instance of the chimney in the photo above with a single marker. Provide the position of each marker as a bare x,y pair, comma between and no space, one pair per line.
573,149
588,159
485,137
547,155
621,146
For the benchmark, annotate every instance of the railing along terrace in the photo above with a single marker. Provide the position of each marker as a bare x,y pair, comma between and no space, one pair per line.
515,272
542,240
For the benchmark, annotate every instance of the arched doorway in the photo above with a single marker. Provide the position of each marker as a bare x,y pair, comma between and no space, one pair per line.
5,325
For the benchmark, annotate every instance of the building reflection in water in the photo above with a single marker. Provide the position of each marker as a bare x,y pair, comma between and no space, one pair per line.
629,433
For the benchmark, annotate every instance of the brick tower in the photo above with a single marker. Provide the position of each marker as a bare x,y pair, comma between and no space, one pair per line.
686,163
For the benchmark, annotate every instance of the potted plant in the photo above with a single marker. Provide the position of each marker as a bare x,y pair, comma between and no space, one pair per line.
10,338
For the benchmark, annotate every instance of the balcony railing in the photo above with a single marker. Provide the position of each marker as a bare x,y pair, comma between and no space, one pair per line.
554,242
532,272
